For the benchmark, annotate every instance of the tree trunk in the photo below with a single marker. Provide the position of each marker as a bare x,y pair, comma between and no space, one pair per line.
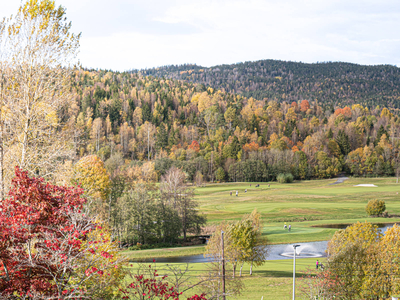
109,209
184,234
251,268
241,267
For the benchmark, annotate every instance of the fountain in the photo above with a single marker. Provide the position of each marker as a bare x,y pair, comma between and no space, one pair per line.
302,251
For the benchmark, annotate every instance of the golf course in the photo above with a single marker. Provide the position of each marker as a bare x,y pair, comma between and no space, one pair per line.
308,206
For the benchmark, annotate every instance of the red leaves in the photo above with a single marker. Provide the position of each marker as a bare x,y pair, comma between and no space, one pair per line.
106,254
37,234
197,297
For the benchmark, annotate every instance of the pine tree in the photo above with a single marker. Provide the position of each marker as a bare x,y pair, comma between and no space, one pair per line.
381,131
162,137
330,134
343,141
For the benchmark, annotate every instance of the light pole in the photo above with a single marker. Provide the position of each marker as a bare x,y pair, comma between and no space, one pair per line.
223,266
294,270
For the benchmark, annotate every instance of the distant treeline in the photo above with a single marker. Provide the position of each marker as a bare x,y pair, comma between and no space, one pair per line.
331,83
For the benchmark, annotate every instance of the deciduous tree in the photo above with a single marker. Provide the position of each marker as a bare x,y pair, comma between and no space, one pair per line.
37,59
48,246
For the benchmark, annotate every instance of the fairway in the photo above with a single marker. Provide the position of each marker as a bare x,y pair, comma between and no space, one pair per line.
302,204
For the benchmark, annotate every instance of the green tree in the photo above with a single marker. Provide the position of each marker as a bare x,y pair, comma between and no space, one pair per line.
220,174
141,205
146,112
187,208
162,137
343,141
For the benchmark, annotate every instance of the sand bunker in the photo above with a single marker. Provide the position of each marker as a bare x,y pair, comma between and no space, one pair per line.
367,185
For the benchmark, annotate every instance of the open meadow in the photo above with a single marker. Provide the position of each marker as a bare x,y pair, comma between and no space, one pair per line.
303,204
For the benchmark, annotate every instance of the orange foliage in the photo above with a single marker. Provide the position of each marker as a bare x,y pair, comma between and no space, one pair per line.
194,146
304,105
295,149
346,112
253,146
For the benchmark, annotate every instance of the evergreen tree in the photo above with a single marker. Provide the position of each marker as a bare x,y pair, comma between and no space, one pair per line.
381,131
343,141
146,112
330,134
162,137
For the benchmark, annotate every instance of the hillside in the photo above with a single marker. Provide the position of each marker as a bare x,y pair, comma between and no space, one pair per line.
332,84
224,136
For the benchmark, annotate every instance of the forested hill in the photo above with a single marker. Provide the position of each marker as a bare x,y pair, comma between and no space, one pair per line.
332,84
223,136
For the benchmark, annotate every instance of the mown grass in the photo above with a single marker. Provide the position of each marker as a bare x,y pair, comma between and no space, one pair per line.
273,280
164,252
303,204
299,201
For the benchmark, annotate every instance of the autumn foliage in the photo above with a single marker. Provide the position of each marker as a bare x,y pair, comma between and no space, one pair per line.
304,105
194,146
362,263
45,241
346,112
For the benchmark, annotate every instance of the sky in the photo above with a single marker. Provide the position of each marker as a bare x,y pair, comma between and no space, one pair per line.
129,34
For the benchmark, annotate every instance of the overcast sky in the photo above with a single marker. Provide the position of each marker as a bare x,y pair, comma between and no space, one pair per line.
130,34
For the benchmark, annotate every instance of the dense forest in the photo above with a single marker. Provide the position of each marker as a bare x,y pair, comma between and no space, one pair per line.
215,135
332,83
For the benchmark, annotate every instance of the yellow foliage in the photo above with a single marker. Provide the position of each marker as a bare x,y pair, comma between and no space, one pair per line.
91,175
386,113
106,257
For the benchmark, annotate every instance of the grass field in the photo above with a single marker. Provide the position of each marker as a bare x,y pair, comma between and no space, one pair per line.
272,281
302,204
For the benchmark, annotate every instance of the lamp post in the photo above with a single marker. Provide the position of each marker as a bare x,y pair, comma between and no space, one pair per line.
294,270
223,266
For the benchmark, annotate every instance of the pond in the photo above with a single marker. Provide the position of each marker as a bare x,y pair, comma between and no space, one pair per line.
275,252
280,251
382,226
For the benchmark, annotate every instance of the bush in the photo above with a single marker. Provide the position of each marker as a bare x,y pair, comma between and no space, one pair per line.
375,207
285,178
